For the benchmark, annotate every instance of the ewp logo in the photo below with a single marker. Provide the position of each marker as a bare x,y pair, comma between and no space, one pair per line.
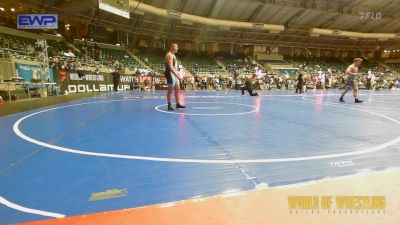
37,21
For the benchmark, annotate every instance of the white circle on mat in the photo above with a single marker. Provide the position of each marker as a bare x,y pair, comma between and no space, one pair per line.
252,109
380,147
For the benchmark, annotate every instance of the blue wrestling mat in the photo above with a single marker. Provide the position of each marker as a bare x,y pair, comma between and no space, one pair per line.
127,150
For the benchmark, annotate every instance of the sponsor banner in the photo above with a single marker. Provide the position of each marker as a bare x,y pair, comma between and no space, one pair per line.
80,88
29,72
85,81
37,21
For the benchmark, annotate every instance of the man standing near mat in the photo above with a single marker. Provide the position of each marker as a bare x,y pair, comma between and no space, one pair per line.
300,82
351,82
173,76
116,78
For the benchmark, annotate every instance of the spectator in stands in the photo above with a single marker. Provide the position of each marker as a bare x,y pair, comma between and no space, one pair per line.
70,65
84,52
39,49
330,71
97,53
197,82
216,83
385,83
146,85
321,80
368,80
79,68
97,71
230,82
184,83
54,62
397,84
327,81
279,82
238,83
203,84
95,50
71,53
29,49
6,43
315,82
209,82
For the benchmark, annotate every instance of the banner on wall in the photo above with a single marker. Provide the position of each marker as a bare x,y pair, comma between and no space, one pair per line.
29,72
86,81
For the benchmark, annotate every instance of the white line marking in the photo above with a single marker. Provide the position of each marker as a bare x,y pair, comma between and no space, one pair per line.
374,100
358,109
28,210
232,192
205,161
167,205
341,104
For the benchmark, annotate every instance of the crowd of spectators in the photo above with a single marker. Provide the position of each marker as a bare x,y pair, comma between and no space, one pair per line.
203,72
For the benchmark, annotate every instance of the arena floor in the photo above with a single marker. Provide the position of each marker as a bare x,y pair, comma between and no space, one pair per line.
125,150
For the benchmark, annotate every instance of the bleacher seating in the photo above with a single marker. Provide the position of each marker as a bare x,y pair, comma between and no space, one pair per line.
394,66
153,57
16,47
366,66
120,56
240,65
273,62
200,64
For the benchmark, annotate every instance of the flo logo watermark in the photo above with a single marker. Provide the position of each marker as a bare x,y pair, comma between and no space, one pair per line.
371,15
